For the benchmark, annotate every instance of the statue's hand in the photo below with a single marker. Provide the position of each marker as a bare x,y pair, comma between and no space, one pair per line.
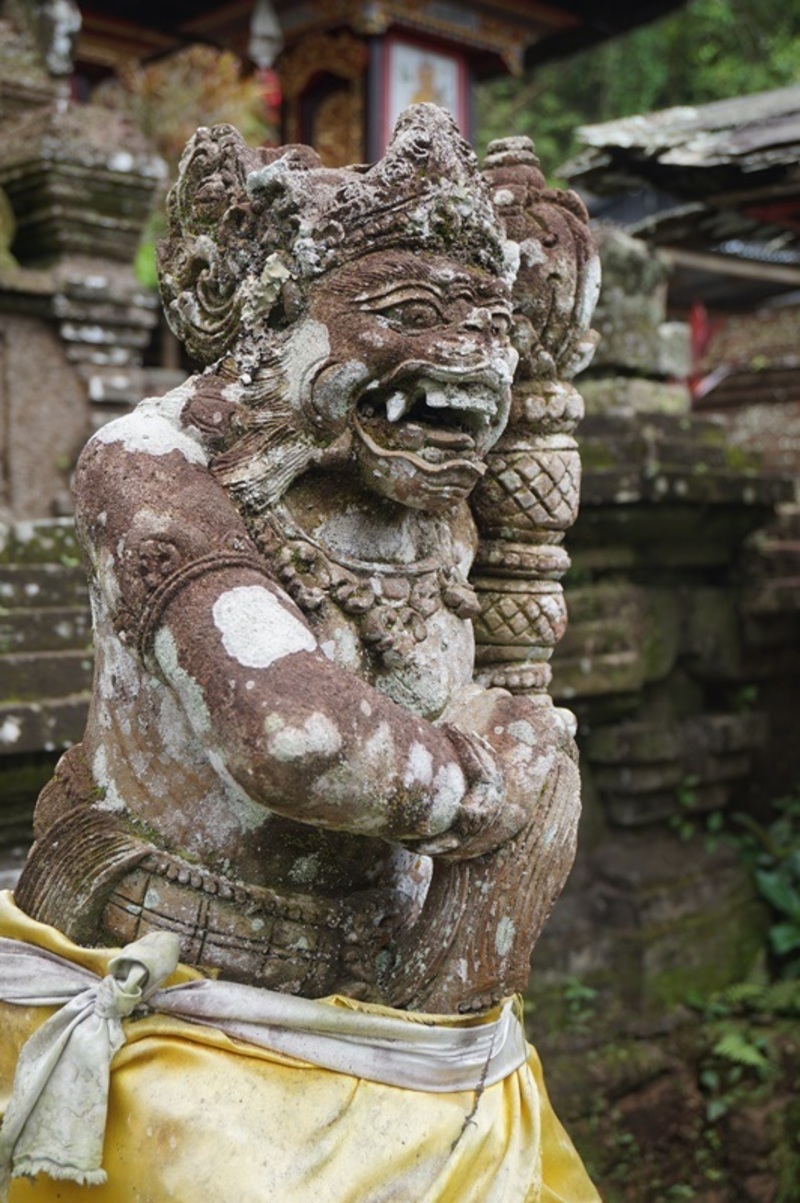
508,746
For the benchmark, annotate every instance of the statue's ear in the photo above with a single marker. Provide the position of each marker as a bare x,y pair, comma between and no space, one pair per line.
558,280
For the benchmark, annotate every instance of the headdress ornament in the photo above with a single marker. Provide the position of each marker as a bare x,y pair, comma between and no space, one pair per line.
244,220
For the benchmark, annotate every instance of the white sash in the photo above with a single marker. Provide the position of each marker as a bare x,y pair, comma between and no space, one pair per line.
57,1112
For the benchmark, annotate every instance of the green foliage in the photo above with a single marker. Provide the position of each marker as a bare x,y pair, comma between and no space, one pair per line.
199,85
709,50
773,852
580,1001
740,1046
740,1023
687,823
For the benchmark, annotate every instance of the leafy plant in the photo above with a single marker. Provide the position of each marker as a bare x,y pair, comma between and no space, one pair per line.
708,50
774,853
684,823
580,1002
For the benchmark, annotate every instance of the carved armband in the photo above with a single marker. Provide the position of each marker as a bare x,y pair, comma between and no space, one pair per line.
175,581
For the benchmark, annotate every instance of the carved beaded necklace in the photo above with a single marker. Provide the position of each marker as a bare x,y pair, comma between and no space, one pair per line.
389,603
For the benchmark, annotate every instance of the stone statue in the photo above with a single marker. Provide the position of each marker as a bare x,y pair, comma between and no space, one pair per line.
289,762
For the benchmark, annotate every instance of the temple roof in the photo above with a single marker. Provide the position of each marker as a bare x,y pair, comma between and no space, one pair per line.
716,184
113,29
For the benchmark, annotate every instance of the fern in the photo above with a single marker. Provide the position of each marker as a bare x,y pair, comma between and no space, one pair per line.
749,995
741,1048
783,997
759,997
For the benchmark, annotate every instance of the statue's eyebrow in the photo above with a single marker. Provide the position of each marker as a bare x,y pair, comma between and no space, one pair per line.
388,289
441,284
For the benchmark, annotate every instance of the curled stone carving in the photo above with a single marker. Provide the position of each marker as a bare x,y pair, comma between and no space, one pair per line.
530,493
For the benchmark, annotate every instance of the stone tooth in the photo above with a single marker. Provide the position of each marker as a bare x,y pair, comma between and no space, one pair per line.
396,406
437,399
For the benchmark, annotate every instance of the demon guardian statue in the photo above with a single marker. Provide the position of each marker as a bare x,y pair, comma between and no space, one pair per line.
290,775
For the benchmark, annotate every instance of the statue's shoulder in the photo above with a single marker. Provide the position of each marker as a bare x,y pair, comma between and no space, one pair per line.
153,429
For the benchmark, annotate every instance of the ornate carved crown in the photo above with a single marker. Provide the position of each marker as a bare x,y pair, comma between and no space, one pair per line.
242,221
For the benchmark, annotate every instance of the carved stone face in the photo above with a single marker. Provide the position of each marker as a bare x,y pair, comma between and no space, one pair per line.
418,371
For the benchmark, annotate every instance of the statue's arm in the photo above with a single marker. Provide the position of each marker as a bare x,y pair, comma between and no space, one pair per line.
309,740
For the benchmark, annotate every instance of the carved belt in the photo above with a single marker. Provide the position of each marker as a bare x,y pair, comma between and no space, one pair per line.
88,875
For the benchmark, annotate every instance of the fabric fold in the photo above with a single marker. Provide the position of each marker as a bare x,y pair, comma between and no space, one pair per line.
56,1117
196,1112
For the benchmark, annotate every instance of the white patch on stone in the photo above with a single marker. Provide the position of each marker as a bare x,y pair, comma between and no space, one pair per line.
365,708
420,766
522,732
380,745
306,350
305,869
504,936
121,160
257,629
567,720
249,817
111,798
146,431
318,736
503,196
188,690
449,787
531,252
10,730
328,649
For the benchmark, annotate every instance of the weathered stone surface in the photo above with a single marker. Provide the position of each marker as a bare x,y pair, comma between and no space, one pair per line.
47,724
648,772
286,755
681,918
635,338
81,180
31,677
44,629
631,395
44,542
30,586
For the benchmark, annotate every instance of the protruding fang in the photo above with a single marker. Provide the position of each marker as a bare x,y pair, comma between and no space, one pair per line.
396,406
437,400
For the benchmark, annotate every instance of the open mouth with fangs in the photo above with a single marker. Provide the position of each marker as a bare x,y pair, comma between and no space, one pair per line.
436,420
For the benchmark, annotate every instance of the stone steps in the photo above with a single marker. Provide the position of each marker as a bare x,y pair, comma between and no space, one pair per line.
45,660
45,629
46,725
29,586
34,676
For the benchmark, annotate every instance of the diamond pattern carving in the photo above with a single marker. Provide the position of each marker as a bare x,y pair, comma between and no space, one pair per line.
521,618
536,489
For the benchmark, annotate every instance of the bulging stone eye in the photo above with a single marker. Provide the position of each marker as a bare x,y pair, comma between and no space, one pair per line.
413,315
501,323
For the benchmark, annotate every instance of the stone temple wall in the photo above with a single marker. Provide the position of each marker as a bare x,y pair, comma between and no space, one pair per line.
76,186
681,659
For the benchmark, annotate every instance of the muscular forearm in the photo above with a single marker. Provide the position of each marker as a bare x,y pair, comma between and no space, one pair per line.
301,736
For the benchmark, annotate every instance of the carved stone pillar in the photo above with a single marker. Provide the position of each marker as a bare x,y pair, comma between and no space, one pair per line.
529,495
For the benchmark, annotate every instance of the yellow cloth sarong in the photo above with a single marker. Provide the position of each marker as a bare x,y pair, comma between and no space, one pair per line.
195,1115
